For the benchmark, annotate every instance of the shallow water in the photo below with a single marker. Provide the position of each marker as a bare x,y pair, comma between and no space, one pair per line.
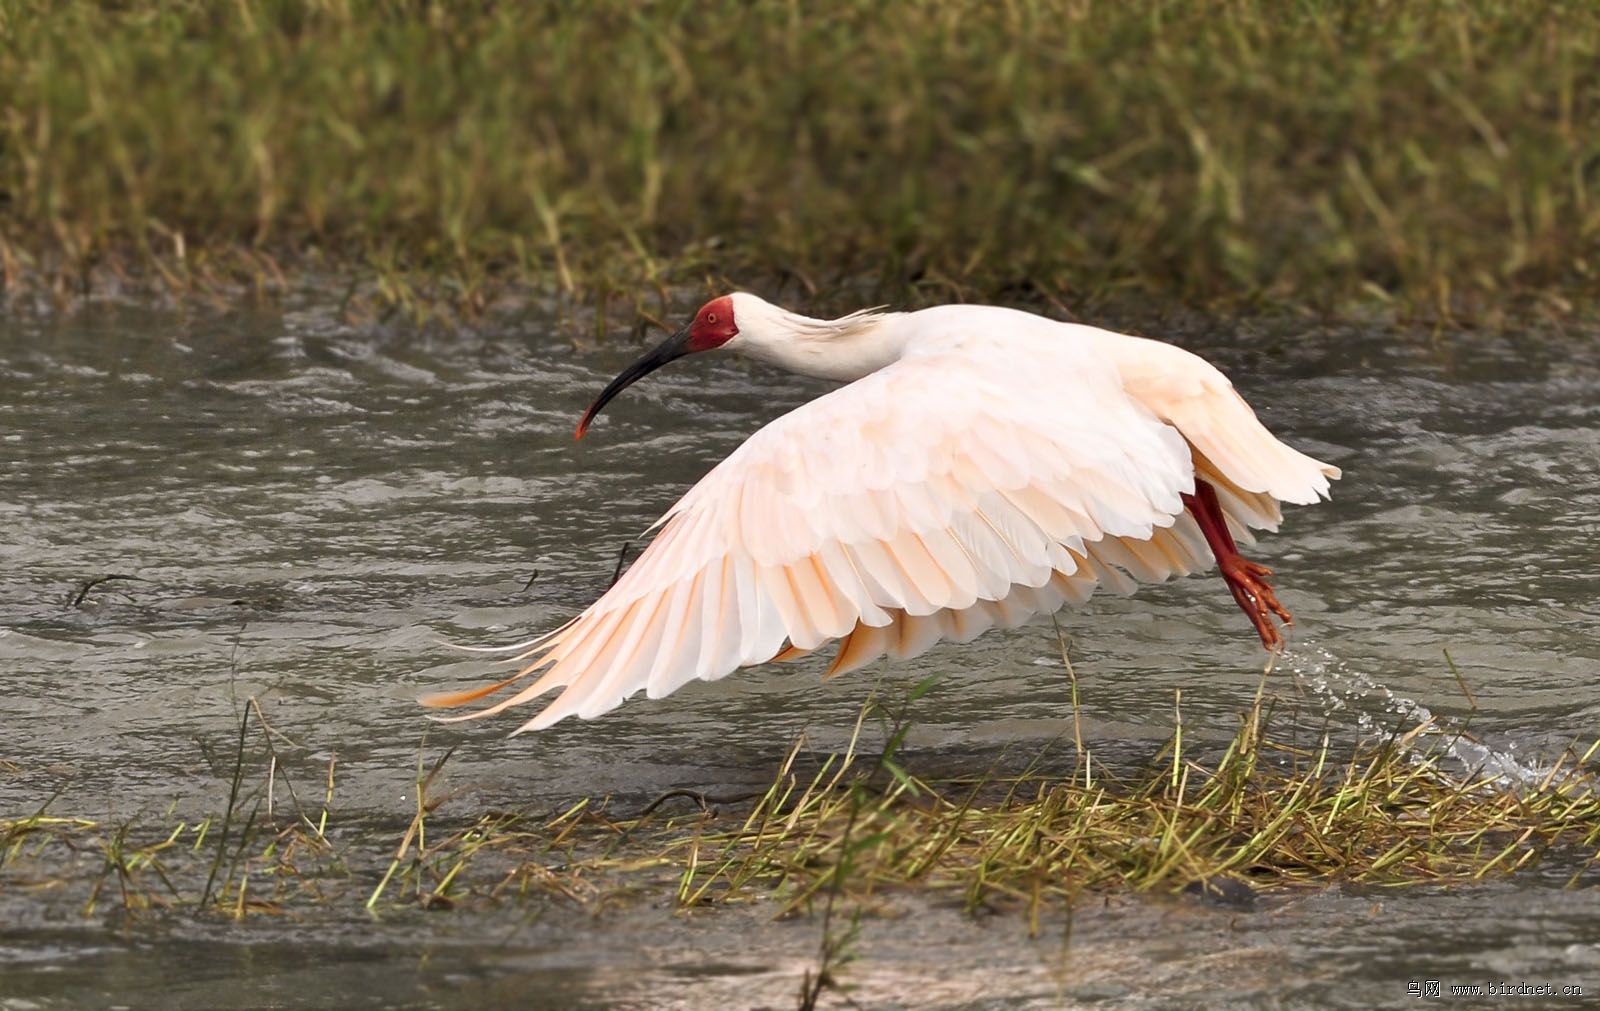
306,511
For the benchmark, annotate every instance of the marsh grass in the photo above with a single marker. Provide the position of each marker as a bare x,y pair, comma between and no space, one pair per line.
1277,808
1436,160
1271,813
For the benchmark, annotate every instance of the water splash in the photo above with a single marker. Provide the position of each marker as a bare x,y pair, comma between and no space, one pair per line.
1376,709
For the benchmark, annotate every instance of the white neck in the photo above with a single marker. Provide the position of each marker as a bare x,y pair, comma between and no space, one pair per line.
842,349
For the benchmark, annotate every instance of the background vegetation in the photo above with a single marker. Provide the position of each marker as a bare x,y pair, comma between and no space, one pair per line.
1440,158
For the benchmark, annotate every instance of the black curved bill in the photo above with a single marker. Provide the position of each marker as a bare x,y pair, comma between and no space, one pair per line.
672,348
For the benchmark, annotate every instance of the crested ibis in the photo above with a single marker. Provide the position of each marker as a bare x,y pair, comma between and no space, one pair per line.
980,465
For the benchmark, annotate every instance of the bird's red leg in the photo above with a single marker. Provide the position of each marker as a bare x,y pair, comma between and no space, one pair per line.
1247,581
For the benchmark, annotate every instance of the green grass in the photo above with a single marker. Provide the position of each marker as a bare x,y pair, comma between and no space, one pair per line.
1430,159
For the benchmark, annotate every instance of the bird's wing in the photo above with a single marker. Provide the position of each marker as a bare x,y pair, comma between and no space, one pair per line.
932,499
1250,468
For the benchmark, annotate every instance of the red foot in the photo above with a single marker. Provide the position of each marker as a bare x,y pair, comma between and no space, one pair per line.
1246,580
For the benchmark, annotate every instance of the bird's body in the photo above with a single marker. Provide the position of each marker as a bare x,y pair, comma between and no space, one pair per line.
982,465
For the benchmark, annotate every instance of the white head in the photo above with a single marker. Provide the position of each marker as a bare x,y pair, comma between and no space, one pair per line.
845,348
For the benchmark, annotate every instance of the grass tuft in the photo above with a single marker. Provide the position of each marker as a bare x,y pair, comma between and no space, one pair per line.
1271,814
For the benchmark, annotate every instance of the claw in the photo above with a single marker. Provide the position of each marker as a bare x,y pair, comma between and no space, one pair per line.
1247,580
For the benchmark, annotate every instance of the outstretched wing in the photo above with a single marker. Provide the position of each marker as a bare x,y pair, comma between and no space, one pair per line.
935,498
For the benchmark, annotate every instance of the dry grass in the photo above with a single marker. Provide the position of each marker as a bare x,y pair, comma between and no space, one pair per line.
1432,159
1268,811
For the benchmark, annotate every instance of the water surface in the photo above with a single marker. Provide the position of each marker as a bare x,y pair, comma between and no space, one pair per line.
304,511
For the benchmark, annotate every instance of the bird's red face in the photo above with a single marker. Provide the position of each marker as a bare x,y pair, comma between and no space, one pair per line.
712,327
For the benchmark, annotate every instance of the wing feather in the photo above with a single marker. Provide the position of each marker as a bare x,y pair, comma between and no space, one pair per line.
1193,396
674,626
839,569
719,628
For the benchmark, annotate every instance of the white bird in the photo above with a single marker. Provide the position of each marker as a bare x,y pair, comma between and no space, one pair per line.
983,465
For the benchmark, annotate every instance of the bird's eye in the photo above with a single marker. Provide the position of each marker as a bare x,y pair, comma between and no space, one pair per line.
711,317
